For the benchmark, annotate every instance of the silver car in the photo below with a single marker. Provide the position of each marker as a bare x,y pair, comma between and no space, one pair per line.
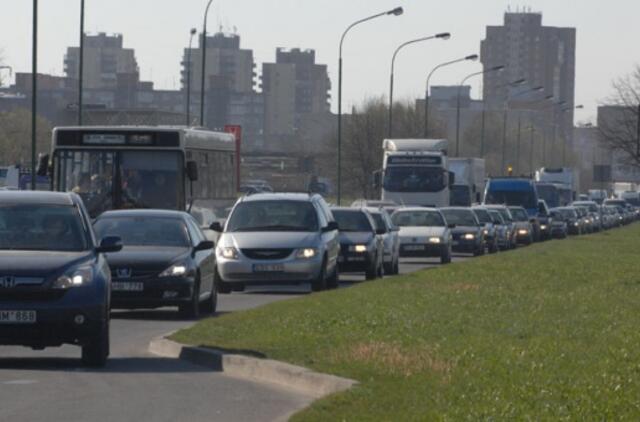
423,233
278,238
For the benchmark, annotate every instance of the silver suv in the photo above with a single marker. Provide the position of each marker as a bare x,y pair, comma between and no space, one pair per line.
278,238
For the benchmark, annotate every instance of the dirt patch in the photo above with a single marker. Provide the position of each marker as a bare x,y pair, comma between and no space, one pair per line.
397,360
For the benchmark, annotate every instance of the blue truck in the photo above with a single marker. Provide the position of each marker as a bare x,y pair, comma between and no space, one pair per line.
515,191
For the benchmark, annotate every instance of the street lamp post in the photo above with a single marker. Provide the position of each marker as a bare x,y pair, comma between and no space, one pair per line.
34,92
492,69
442,36
395,12
189,66
533,131
81,64
505,117
564,143
203,54
554,106
547,98
471,57
527,91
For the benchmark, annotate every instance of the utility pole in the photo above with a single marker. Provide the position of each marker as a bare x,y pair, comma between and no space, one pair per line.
34,93
81,64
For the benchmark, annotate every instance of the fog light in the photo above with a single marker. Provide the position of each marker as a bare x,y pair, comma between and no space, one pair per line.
79,319
169,294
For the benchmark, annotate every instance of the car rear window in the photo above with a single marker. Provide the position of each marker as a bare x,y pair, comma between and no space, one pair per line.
352,221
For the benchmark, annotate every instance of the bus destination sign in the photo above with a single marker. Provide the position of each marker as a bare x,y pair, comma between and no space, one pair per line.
103,139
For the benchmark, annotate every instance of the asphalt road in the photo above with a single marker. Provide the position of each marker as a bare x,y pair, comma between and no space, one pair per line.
51,385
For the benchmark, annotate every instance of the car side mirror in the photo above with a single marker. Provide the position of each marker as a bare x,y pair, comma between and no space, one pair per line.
451,226
205,245
216,227
332,226
110,244
192,170
43,165
381,231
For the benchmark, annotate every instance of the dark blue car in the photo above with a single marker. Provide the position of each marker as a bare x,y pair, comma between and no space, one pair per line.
54,278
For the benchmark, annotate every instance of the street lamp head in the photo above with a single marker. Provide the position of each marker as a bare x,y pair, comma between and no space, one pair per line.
472,57
496,69
396,12
518,82
538,89
193,31
548,97
579,107
443,35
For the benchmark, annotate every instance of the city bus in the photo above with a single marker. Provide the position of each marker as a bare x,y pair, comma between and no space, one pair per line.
123,167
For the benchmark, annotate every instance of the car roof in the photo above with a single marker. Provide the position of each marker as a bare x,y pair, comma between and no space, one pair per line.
350,209
277,196
144,213
36,197
456,208
414,209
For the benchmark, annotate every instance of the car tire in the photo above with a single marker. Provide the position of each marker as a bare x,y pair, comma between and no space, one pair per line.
96,351
320,283
396,267
211,304
493,248
333,282
191,309
372,272
222,286
388,268
445,258
238,287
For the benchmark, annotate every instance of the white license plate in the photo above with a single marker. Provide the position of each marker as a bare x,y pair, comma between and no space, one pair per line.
18,317
127,286
268,268
414,248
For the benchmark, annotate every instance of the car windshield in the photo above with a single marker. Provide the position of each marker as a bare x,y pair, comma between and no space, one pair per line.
273,215
459,217
414,179
506,215
519,214
483,216
352,221
41,228
590,206
379,221
496,215
522,198
144,230
418,219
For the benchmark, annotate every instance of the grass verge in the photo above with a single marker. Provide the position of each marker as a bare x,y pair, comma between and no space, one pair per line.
546,332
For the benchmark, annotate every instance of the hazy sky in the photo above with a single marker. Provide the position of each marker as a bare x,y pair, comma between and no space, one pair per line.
607,37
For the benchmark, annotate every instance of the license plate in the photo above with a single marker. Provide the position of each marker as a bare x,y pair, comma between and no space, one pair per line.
17,317
414,248
127,286
268,268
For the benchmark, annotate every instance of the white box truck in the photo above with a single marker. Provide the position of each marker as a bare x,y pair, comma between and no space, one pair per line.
469,181
416,172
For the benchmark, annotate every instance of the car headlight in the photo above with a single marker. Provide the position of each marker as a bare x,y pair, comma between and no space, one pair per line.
228,252
523,232
543,227
176,270
469,236
358,248
485,232
435,240
306,253
80,277
576,224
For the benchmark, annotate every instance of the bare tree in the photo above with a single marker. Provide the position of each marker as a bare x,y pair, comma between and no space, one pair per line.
15,132
619,130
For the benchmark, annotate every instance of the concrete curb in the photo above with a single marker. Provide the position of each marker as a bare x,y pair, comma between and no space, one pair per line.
302,380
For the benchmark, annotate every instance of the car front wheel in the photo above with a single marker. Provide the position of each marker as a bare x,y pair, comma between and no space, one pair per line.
191,309
320,283
96,351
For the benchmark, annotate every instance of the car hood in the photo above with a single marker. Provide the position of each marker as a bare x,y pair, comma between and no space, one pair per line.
40,263
269,240
352,238
147,256
418,232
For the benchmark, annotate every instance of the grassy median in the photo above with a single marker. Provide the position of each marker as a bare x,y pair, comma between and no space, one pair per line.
544,333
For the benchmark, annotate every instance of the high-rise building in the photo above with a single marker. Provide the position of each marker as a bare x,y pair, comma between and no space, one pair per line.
543,55
294,88
105,59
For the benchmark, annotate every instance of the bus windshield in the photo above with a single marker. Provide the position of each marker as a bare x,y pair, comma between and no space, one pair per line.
414,179
108,179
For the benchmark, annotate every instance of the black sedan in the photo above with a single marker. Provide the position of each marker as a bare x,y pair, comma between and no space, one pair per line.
54,278
467,231
361,245
166,261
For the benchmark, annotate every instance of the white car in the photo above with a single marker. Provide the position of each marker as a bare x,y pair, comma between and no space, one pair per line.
423,233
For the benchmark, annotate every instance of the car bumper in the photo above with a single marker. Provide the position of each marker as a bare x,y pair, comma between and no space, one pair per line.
72,318
354,263
289,270
156,293
465,246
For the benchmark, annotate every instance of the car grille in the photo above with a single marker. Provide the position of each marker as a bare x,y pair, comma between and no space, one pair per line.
117,273
267,254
